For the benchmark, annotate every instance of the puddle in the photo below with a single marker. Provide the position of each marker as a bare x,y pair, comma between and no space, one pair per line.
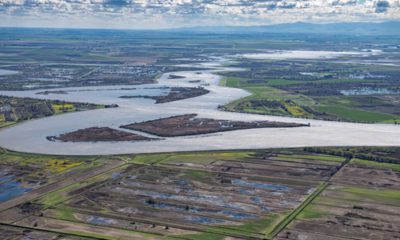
191,209
100,220
275,187
239,216
203,220
216,200
116,175
256,200
9,188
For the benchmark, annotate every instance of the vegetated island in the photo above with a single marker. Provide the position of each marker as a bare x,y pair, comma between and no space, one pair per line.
17,109
189,124
175,94
98,134
47,92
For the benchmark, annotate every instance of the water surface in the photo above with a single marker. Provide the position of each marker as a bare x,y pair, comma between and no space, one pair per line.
31,136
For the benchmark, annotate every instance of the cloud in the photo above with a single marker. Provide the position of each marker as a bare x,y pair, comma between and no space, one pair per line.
120,3
172,13
382,6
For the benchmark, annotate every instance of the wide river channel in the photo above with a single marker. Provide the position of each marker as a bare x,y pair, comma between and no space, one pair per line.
30,136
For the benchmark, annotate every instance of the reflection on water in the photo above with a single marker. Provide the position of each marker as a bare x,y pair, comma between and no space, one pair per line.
369,91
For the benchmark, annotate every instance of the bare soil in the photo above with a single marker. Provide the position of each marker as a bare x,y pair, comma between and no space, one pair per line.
176,93
342,214
188,124
98,134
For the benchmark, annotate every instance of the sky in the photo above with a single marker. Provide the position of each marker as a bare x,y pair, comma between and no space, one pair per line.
154,14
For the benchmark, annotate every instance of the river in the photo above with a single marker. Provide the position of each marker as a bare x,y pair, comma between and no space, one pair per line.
30,136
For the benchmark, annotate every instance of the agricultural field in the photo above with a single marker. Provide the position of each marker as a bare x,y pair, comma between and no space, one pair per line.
347,89
50,59
298,193
14,109
361,201
12,232
307,193
23,173
344,90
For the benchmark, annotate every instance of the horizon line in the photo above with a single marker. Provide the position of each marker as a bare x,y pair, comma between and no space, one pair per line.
199,26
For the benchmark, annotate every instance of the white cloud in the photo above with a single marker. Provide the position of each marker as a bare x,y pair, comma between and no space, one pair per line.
170,13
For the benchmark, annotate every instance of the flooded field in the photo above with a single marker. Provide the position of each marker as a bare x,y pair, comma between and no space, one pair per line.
10,187
369,91
303,193
243,196
22,174
299,54
362,202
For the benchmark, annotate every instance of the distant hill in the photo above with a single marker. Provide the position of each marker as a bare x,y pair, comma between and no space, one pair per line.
345,28
353,28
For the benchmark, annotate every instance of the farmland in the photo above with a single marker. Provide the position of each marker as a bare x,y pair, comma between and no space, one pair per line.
212,161
238,194
362,201
343,90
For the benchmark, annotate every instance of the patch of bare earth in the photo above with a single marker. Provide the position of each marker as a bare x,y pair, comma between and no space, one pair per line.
175,94
189,124
98,134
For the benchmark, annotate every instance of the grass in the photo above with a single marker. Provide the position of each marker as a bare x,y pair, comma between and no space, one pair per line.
198,175
384,196
311,211
61,195
257,229
200,236
61,165
41,167
309,157
296,104
393,166
351,114
192,157
62,108
355,195
65,213
58,196
6,124
290,217
291,104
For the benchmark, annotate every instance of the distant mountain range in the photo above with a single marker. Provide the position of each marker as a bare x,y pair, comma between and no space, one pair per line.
344,28
353,28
